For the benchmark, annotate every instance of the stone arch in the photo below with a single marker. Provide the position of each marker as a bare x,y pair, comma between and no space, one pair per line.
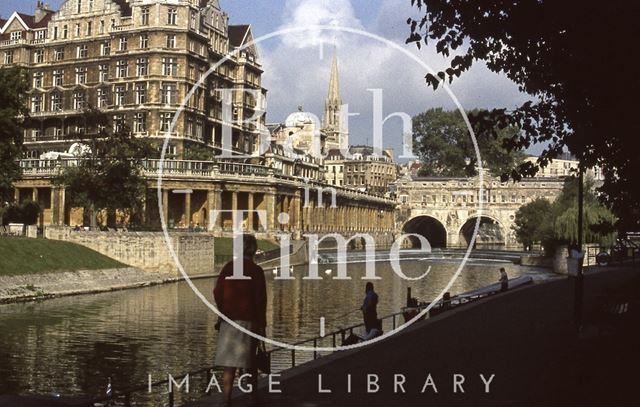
429,227
490,233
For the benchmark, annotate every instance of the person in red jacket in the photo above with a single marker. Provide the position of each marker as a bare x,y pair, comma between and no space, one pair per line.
245,302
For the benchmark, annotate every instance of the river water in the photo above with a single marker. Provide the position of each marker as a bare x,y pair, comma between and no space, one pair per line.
71,345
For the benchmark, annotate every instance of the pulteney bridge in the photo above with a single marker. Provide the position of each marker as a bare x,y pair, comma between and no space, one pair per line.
445,209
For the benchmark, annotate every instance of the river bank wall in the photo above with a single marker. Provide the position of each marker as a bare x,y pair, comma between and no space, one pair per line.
30,287
147,251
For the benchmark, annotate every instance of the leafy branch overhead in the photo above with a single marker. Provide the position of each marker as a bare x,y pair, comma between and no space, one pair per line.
573,58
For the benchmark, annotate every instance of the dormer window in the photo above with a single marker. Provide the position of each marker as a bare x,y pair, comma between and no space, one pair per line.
16,35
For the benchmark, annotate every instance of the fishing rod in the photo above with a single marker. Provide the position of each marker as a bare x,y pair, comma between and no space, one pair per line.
347,314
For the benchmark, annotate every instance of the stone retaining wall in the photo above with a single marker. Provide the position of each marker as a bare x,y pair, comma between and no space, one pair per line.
536,260
35,286
146,250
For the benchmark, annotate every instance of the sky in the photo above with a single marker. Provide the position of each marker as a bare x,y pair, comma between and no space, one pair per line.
297,65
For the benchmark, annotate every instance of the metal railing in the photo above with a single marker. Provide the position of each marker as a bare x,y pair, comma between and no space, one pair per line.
618,254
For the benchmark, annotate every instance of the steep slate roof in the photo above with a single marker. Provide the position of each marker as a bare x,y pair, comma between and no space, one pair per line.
28,20
364,150
334,154
237,34
45,20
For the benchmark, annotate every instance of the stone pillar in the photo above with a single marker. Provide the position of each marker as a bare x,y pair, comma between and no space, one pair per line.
286,208
271,208
356,218
16,195
62,194
250,209
187,209
297,226
234,208
214,206
305,219
165,205
57,205
348,219
34,194
54,205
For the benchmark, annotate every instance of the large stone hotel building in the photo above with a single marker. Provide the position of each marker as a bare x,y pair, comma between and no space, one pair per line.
136,60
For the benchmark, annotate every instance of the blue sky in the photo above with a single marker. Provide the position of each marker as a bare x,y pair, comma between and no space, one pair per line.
297,73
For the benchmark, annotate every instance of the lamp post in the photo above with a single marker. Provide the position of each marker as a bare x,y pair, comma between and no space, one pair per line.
579,279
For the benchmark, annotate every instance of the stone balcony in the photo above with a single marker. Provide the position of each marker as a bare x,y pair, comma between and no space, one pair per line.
189,170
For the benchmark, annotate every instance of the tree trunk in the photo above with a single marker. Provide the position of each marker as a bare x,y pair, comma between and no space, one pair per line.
111,218
93,217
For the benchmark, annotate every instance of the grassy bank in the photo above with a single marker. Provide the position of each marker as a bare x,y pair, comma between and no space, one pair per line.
19,256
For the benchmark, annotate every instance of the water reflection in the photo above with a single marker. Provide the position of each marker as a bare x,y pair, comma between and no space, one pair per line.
72,345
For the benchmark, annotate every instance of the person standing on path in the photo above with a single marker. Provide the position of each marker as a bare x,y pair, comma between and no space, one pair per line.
245,302
504,280
369,308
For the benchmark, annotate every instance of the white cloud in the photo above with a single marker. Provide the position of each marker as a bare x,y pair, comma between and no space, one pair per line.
300,14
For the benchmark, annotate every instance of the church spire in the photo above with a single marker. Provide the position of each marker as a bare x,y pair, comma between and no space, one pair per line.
334,83
332,124
331,119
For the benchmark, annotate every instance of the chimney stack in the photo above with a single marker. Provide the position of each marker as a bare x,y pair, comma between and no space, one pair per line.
41,11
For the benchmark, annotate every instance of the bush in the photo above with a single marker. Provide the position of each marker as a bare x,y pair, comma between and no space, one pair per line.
27,213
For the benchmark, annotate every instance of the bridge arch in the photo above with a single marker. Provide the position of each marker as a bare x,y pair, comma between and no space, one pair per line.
490,232
429,227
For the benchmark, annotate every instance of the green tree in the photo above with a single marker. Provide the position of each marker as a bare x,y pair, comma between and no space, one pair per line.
532,224
26,212
443,143
13,111
596,216
108,172
198,152
573,58
550,224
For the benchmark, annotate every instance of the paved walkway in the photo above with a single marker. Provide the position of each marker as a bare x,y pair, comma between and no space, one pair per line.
525,337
